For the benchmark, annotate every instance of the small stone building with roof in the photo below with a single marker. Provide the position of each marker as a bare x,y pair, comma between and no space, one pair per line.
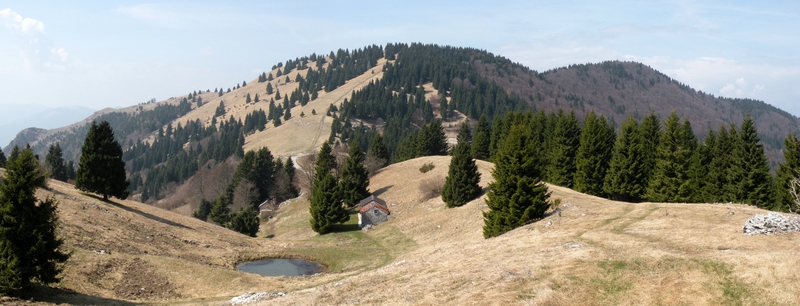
372,211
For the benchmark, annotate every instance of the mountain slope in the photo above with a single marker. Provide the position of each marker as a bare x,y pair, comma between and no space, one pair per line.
595,252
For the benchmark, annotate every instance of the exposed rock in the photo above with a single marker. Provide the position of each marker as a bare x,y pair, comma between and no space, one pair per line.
771,223
251,297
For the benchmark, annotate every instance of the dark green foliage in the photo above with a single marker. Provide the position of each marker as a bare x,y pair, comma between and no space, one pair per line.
461,184
269,88
650,132
431,140
248,99
788,174
29,246
378,151
70,170
594,155
221,211
718,187
203,210
326,199
756,187
258,168
245,221
407,148
464,133
699,169
482,140
670,179
287,114
625,178
54,162
101,169
220,111
326,204
2,159
354,182
518,195
564,145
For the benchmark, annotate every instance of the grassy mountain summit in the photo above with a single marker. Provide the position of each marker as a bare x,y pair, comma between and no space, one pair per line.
393,90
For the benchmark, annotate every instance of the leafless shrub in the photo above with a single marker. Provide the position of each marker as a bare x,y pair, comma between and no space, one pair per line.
427,167
304,176
431,187
244,195
373,164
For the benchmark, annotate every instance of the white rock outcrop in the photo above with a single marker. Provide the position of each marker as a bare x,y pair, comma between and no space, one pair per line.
771,223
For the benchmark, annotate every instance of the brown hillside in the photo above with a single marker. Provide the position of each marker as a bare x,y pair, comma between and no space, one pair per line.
596,252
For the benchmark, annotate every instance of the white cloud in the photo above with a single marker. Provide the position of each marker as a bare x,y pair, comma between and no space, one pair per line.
142,11
61,53
14,21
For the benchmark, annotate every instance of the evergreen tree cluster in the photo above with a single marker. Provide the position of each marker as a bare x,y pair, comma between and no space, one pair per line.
30,250
430,140
332,192
461,184
255,121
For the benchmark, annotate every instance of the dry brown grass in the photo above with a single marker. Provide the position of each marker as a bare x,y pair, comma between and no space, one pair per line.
596,252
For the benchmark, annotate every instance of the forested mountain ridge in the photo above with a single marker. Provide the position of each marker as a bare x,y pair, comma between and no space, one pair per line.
297,105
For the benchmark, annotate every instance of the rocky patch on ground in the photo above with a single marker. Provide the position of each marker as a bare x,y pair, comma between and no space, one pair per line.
771,223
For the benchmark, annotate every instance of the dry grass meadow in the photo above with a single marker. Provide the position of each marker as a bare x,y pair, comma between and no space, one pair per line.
595,252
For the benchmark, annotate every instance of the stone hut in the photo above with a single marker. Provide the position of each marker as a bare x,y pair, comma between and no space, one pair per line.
372,210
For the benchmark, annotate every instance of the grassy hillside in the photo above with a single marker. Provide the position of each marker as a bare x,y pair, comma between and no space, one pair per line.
595,252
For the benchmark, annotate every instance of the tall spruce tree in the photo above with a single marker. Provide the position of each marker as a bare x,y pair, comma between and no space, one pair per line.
2,159
461,184
789,174
464,133
101,169
257,167
756,187
29,246
625,178
518,194
594,154
354,184
650,134
481,141
326,201
54,161
670,181
717,182
245,221
699,168
564,143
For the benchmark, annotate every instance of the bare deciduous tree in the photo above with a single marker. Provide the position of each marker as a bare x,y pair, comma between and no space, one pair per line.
304,176
244,195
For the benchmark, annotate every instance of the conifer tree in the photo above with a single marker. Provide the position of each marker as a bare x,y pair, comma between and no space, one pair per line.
594,154
717,171
625,178
378,150
563,149
670,180
464,133
221,211
431,140
248,100
54,161
326,201
756,188
2,159
650,132
287,114
699,168
482,139
245,221
735,172
101,169
788,171
518,194
29,246
461,184
269,88
354,184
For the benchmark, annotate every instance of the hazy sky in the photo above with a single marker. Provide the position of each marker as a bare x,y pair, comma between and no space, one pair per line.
101,54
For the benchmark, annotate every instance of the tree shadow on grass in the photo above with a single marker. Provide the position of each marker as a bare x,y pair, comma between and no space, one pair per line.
349,226
382,190
138,212
45,294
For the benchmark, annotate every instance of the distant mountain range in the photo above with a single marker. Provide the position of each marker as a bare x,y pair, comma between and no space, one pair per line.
40,117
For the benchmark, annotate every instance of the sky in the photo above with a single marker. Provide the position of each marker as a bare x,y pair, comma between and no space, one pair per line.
98,54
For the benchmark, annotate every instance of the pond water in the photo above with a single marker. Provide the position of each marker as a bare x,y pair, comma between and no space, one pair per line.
280,267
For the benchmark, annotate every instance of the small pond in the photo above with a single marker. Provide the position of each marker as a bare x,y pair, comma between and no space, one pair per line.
280,267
